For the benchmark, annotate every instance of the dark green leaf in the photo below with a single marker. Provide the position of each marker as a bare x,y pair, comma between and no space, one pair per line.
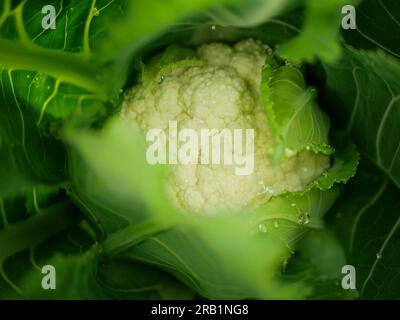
220,259
378,26
366,219
30,239
122,279
29,154
49,69
320,35
249,13
318,261
370,116
75,279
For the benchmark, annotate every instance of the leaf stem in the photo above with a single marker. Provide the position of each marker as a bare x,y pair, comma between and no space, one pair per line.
61,65
132,235
33,231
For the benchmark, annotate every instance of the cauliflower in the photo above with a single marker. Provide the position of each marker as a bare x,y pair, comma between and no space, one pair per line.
220,88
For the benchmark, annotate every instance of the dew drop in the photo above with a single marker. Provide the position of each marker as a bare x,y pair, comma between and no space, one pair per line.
304,218
213,27
284,264
262,228
379,255
289,152
28,76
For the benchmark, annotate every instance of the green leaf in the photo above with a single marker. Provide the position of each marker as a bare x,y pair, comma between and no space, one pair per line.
62,66
220,259
29,155
302,209
320,35
371,117
40,197
298,211
248,13
142,22
343,168
366,219
202,29
50,70
318,261
297,121
78,25
30,239
75,279
98,170
378,26
123,279
325,252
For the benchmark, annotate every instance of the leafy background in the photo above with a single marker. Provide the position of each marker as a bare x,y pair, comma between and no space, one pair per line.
67,198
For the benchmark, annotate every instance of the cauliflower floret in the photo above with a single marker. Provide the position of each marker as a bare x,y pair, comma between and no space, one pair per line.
222,93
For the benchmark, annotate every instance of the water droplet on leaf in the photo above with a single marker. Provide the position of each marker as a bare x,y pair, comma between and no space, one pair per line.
284,264
379,255
262,228
304,218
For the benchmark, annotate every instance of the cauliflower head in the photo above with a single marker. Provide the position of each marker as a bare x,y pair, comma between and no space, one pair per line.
219,88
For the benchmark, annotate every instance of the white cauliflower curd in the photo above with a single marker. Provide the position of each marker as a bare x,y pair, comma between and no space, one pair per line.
220,88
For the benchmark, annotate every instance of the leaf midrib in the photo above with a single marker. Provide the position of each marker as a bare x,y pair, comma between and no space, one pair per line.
31,232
